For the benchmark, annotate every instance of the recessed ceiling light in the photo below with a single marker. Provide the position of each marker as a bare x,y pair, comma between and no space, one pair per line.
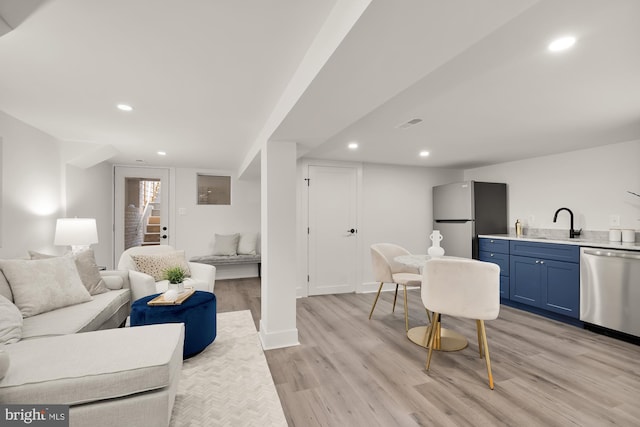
162,153
562,43
352,145
424,153
125,107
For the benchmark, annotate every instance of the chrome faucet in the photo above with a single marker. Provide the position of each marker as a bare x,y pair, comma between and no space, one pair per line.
572,233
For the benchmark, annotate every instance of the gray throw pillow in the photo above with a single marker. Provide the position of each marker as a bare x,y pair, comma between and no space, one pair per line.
87,269
43,285
10,322
226,244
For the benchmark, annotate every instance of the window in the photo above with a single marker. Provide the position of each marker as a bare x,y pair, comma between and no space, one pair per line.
214,190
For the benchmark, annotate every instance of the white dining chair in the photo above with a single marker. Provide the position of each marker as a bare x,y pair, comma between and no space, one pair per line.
387,270
463,288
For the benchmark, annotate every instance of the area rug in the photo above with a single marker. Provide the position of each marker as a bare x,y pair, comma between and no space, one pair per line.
229,383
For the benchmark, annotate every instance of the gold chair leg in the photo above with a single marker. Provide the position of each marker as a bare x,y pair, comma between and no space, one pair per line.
395,297
406,310
478,328
376,300
434,325
486,353
428,315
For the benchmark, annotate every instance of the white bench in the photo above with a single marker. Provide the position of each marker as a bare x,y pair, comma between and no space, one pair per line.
222,260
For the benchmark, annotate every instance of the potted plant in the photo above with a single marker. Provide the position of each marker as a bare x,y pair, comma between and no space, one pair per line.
175,276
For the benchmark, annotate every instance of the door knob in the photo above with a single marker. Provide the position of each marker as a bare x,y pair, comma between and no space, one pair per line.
352,231
164,236
164,228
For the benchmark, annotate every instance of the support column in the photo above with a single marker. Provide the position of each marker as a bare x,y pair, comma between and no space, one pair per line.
278,237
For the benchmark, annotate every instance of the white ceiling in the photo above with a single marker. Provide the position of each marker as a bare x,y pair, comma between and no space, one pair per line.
205,76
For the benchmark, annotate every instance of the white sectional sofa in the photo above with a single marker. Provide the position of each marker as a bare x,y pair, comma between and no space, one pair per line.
72,354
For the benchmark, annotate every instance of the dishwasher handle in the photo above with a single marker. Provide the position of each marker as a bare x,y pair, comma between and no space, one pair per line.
611,253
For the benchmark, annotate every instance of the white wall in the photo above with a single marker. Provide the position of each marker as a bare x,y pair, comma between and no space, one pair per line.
31,189
591,182
195,230
397,207
89,194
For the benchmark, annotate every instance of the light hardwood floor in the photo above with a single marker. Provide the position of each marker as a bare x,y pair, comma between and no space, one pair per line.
351,371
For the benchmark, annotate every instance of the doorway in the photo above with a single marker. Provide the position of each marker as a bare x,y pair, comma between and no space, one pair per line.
141,208
332,232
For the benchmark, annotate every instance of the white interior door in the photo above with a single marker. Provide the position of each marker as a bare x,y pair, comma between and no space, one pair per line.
141,208
332,232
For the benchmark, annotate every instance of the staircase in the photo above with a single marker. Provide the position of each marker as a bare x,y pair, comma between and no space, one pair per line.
152,228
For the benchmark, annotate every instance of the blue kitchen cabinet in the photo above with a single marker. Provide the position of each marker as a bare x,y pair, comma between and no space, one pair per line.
546,276
497,252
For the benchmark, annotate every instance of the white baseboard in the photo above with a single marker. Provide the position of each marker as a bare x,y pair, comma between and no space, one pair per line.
278,339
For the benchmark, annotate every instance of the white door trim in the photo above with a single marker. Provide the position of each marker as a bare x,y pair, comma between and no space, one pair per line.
170,204
302,220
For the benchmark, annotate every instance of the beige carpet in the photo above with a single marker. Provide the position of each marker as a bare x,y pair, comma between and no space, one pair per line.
229,383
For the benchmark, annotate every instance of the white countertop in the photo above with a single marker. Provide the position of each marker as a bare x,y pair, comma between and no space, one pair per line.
595,243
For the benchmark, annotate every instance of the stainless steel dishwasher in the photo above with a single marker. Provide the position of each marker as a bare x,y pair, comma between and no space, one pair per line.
610,289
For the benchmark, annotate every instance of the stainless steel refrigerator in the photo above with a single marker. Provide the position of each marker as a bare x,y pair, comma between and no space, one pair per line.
463,210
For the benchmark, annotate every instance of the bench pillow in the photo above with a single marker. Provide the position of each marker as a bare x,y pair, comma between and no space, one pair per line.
247,243
226,244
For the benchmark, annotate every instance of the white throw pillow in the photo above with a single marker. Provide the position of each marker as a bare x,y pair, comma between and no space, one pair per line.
247,243
155,265
226,244
4,363
5,289
87,269
10,322
43,285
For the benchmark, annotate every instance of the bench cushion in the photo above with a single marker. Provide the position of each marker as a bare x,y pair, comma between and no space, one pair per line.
93,366
228,260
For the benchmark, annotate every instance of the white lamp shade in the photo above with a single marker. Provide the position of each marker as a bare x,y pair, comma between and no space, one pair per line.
76,232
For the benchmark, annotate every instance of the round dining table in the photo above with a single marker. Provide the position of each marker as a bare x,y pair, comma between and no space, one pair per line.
446,339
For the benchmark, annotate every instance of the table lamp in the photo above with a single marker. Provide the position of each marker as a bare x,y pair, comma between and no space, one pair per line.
79,233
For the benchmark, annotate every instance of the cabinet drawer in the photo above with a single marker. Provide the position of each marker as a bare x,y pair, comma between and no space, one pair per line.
554,251
501,259
494,245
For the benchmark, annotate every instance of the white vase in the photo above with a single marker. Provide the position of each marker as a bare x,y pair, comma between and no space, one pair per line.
436,250
179,287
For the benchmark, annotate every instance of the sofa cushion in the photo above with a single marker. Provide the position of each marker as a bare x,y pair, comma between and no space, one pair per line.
43,285
247,243
88,316
103,365
226,244
87,269
10,322
155,265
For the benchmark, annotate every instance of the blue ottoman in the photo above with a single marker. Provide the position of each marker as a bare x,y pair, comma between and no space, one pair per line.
198,313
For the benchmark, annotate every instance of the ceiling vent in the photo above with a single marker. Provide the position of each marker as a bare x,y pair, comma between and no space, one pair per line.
408,124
